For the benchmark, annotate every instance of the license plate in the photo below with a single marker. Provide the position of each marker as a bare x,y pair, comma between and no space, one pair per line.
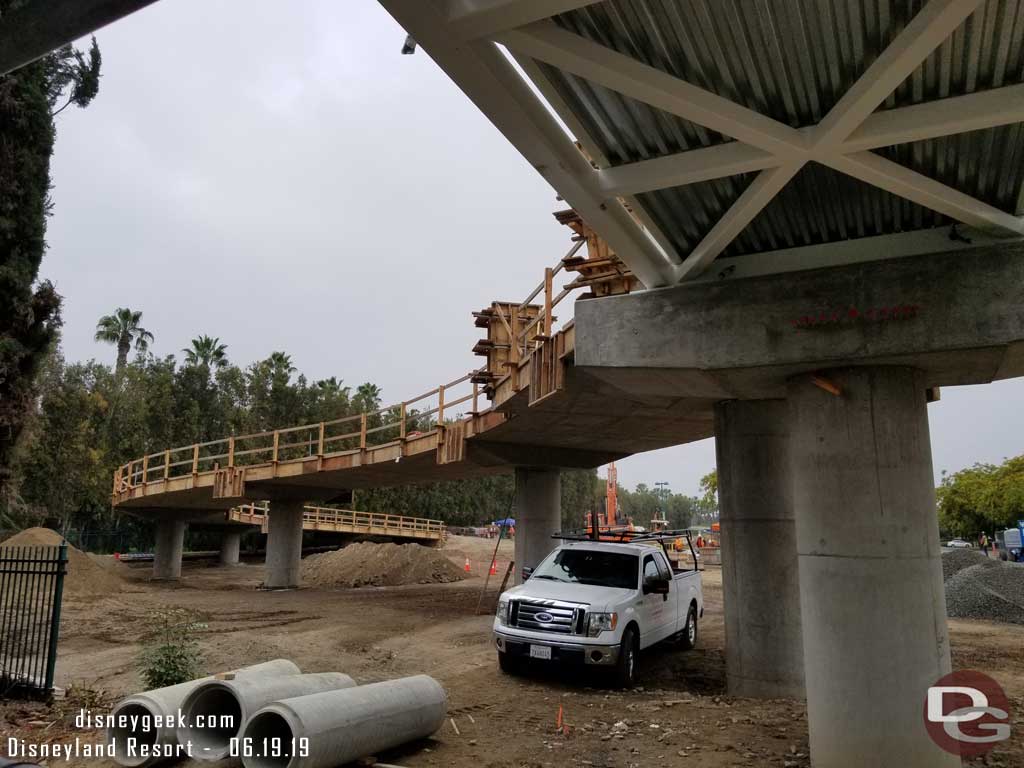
540,652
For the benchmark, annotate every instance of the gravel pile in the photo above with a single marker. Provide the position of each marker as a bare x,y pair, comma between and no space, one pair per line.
988,589
955,560
378,565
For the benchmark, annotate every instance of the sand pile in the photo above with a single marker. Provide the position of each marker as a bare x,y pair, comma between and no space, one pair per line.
378,565
85,577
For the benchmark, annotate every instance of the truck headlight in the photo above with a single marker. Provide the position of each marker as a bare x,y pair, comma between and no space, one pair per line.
502,612
600,622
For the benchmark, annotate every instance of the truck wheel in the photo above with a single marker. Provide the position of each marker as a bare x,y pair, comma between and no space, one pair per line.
688,637
508,664
626,665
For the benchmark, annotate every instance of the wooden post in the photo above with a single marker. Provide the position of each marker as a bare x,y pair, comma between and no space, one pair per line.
440,404
231,451
514,352
167,463
320,441
277,442
401,427
548,278
145,468
514,327
195,459
362,432
476,393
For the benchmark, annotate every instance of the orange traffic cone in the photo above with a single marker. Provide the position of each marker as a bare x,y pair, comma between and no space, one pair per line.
466,569
494,568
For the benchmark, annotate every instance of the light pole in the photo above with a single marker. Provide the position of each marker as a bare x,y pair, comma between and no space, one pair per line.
662,487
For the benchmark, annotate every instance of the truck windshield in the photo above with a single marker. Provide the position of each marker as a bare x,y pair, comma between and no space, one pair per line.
587,566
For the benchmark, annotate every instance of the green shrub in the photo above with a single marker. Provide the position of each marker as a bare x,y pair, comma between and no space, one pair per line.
172,654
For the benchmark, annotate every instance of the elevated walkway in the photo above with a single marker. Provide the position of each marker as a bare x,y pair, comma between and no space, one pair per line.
527,406
348,521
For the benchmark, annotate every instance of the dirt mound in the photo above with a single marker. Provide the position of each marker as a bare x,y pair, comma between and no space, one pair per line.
379,565
85,577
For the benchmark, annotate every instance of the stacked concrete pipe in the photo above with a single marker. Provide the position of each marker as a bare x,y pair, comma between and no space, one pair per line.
327,729
165,703
239,700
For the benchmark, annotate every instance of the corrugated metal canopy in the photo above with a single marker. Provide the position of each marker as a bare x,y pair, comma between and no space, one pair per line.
793,60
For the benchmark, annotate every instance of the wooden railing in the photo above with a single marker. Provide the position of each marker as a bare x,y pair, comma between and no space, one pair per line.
316,517
353,433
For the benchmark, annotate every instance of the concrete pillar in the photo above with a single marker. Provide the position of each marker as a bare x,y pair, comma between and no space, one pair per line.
170,540
230,544
538,514
872,603
763,646
284,544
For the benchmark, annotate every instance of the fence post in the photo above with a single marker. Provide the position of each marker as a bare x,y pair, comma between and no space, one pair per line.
58,592
167,464
195,459
401,428
440,404
476,393
320,442
231,452
362,432
277,440
145,469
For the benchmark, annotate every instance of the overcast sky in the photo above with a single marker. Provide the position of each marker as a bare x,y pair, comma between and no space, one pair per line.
277,175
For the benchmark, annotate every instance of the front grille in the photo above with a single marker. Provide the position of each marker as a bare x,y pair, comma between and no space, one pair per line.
562,618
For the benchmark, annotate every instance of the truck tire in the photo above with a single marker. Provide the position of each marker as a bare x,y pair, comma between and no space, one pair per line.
688,637
508,664
626,665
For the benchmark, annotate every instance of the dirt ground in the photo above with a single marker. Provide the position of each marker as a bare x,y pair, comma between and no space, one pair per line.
679,714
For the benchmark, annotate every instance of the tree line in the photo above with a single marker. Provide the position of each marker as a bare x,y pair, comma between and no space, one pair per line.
985,497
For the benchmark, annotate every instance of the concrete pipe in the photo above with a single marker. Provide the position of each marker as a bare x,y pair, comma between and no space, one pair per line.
216,711
335,728
165,704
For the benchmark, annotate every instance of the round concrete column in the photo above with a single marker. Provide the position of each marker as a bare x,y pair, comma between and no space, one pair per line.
170,540
871,597
284,544
763,646
230,544
538,514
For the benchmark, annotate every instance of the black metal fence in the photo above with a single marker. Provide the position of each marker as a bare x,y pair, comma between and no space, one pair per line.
31,586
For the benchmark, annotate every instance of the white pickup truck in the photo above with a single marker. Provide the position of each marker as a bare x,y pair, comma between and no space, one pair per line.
599,603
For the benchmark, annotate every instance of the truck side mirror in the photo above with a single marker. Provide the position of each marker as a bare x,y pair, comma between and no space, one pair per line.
527,572
656,587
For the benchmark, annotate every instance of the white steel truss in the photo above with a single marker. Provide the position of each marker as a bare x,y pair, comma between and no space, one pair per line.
461,36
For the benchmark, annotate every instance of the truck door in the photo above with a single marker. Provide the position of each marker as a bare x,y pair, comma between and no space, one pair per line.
677,598
656,610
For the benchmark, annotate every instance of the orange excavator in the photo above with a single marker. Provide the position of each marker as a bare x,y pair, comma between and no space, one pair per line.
608,529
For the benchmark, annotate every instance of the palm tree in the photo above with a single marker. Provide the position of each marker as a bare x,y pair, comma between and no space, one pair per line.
368,396
122,328
207,351
281,363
